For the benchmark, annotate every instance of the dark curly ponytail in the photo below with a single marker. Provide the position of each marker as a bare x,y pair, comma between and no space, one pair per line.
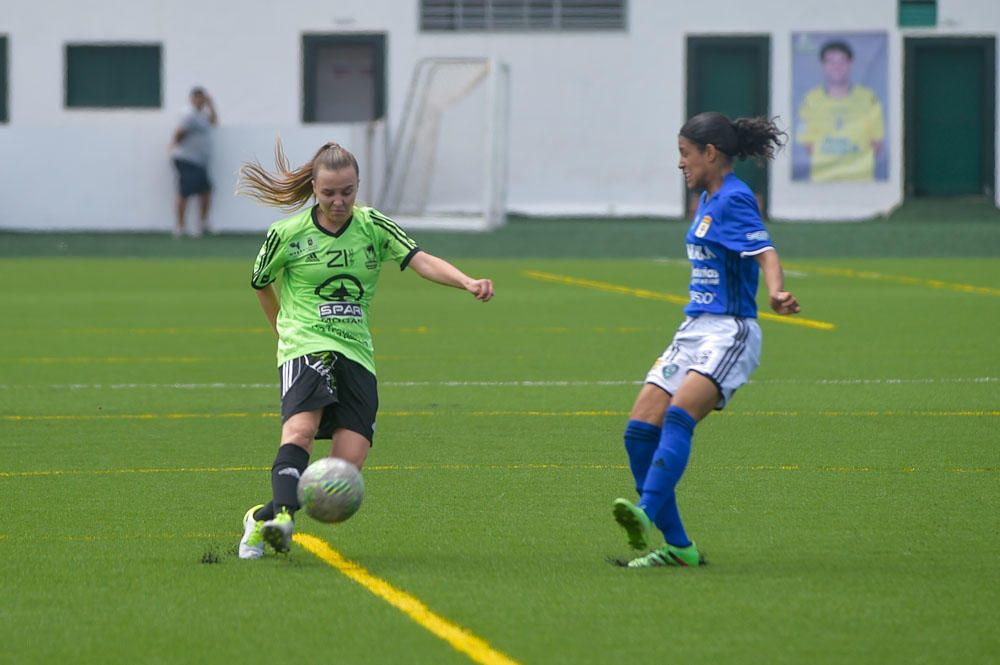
758,137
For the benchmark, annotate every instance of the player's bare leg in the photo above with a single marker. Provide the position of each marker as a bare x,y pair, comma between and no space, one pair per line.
697,395
650,405
351,446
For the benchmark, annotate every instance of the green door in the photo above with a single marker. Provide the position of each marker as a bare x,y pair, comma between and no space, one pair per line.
730,75
950,123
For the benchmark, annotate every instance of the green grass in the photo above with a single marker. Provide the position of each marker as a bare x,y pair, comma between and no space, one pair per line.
971,227
847,499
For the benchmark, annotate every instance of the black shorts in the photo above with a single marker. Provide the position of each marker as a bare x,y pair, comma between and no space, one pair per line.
191,178
345,391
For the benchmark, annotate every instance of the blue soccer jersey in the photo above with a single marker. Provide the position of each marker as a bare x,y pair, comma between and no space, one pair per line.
726,234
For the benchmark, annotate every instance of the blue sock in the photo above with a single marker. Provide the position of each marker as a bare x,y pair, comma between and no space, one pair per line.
671,458
641,440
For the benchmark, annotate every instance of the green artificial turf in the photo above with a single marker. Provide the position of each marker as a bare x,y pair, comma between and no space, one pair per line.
846,499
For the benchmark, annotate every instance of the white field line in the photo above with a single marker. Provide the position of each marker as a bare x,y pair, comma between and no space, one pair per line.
496,384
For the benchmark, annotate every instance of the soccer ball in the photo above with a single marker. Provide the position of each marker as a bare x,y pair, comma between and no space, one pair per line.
331,490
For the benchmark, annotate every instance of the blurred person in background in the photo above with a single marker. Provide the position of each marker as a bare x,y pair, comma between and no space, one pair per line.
191,150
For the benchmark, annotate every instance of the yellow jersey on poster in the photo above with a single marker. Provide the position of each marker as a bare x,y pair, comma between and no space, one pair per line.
841,133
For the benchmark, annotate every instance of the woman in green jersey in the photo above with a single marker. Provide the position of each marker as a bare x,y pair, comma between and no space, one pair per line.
329,255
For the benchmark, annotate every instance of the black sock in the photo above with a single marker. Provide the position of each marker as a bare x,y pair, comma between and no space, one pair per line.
288,466
265,513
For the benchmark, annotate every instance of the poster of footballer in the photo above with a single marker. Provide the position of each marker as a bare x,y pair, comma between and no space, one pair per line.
839,85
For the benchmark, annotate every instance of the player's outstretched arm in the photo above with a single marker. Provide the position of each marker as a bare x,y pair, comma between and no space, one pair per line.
781,301
440,271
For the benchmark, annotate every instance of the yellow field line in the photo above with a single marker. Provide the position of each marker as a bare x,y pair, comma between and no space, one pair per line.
257,330
94,538
898,279
755,414
111,360
373,468
138,416
919,414
969,413
664,297
241,469
119,472
459,638
548,414
178,416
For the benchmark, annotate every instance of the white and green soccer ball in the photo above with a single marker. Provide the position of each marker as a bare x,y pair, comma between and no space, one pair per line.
331,490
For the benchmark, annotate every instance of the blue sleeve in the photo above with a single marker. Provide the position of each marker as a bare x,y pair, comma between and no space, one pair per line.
744,230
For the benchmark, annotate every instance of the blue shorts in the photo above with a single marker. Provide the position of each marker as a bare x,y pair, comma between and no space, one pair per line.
191,178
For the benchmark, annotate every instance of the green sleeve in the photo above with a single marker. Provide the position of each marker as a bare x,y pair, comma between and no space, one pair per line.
270,260
393,243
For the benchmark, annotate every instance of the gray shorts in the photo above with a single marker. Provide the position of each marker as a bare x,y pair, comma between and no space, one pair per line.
725,349
345,391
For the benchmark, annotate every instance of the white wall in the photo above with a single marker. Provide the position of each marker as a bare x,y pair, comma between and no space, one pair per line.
594,116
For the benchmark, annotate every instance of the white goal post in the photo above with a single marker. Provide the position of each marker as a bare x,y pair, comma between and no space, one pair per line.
447,165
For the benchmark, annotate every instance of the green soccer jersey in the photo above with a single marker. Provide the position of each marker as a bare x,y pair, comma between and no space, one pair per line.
328,280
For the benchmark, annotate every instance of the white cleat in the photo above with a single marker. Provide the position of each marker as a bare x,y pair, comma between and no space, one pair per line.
252,543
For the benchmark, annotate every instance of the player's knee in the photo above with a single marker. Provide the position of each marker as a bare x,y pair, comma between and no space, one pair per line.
299,434
650,406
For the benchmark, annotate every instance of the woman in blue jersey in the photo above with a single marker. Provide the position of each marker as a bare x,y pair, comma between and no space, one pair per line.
329,255
718,345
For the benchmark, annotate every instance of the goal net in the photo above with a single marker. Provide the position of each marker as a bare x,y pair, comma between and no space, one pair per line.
447,167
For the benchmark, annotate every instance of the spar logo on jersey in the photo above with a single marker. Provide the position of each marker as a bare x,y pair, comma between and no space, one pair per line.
703,225
340,310
343,293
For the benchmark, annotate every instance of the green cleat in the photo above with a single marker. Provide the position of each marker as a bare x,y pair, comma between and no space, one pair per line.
278,532
635,522
252,543
668,555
